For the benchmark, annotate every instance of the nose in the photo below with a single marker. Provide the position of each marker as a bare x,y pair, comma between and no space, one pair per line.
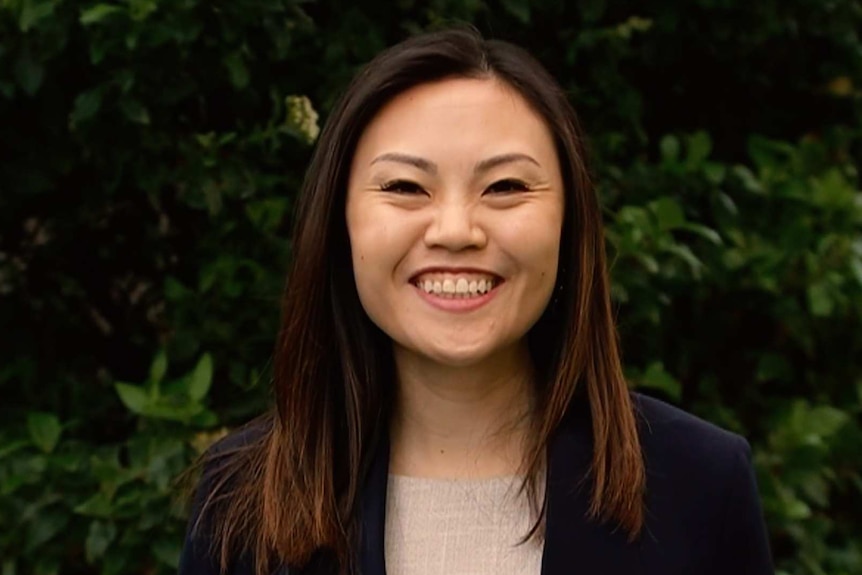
455,228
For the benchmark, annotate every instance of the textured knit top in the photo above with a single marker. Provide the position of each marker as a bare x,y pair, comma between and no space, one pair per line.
459,526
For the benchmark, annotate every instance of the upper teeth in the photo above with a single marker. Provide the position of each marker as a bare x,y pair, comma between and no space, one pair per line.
454,286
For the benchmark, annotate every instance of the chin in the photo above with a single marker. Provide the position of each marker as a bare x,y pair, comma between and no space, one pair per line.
457,356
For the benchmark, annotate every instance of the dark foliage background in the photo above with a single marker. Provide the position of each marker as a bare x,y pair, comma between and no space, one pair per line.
150,152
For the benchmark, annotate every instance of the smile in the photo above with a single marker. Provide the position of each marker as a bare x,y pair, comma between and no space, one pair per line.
456,286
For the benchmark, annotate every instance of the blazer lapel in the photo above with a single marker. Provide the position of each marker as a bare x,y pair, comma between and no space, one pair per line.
372,525
574,544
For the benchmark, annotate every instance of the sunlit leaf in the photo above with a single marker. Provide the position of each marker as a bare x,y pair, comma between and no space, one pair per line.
45,430
669,147
98,13
655,377
201,378
133,397
159,367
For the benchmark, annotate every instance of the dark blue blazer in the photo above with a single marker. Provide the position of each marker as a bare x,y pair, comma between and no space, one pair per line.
703,514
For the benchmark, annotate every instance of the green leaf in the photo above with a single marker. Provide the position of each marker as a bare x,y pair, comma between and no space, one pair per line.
133,397
669,147
97,505
520,9
97,13
29,73
748,179
591,10
656,377
44,430
99,538
816,489
205,418
8,448
158,367
86,106
728,204
699,147
705,232
796,509
141,9
856,269
175,290
168,552
819,300
237,70
165,409
825,420
766,153
668,213
684,253
47,565
134,111
647,261
44,527
714,172
32,12
267,214
201,378
771,367
116,564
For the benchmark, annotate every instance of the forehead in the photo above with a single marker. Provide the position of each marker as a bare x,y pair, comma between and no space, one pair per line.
457,116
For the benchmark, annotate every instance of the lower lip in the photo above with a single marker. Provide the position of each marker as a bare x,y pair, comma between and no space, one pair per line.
458,304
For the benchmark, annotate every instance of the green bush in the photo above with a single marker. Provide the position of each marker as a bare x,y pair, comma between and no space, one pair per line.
150,152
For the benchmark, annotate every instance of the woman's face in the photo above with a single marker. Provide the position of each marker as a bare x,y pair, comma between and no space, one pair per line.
454,212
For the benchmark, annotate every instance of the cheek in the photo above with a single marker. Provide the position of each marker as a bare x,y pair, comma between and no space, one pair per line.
377,244
535,243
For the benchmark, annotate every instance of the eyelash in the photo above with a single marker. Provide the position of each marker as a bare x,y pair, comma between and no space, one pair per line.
401,187
512,185
406,187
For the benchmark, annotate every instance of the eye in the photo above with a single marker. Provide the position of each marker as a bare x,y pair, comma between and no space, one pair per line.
508,186
402,187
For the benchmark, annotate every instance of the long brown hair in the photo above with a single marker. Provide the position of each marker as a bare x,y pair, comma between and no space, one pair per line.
295,489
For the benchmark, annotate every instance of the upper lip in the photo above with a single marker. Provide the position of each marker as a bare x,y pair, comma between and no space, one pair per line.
453,270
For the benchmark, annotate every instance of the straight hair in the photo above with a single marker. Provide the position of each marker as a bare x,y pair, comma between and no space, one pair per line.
295,489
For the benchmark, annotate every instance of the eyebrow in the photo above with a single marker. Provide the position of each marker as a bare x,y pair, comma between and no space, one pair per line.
495,161
431,167
415,161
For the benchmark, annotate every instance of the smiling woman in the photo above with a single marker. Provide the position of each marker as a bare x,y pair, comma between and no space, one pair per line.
449,394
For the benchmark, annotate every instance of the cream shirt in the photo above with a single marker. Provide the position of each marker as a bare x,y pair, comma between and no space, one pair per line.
459,527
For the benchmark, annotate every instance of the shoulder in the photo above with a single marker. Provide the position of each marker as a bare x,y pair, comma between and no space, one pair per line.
234,445
223,463
222,466
701,490
672,436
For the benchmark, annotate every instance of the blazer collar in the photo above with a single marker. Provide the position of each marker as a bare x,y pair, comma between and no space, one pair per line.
572,541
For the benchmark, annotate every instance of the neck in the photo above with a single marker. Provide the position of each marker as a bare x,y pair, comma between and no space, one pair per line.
461,421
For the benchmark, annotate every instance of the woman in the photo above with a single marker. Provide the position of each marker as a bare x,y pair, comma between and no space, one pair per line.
449,395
